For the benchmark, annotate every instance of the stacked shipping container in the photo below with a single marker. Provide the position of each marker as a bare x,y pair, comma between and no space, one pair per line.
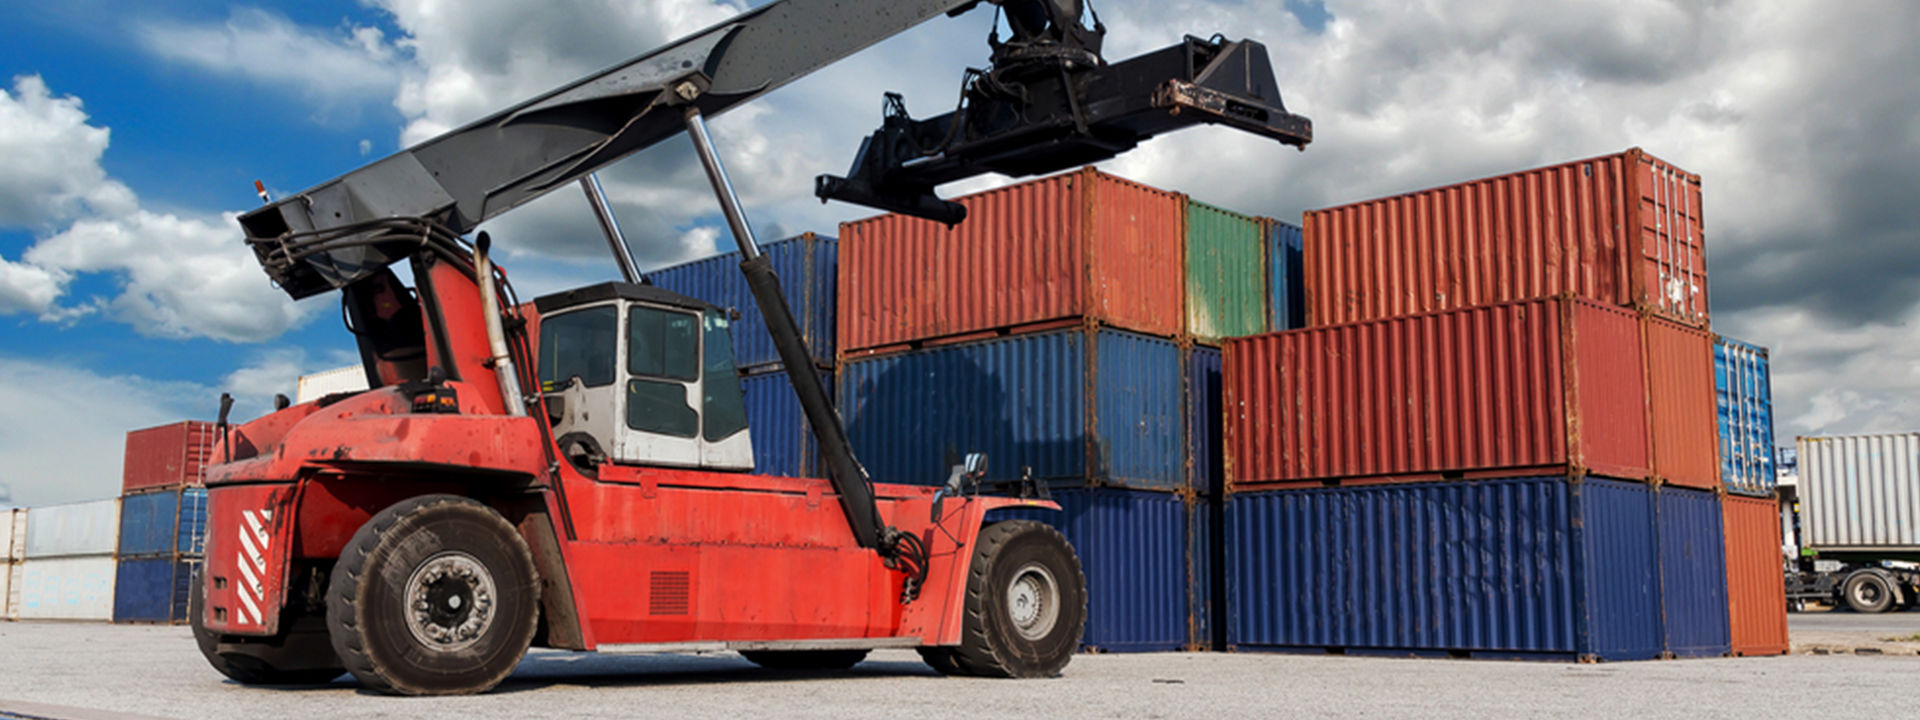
808,266
67,571
1548,323
163,518
1048,333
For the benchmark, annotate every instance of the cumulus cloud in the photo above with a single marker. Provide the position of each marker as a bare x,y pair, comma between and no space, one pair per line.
66,427
347,64
181,276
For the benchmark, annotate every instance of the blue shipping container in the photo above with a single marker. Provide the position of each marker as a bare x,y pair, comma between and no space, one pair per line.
1742,375
164,522
1522,567
1205,417
1286,291
1080,407
153,590
1133,550
783,445
1206,587
1693,574
808,267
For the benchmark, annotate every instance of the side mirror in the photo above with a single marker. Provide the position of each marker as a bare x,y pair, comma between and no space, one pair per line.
976,464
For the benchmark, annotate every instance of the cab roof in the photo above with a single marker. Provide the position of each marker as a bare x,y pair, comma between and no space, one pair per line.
617,291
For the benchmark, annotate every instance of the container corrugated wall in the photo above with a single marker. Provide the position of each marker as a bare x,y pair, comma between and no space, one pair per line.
1133,550
88,528
1286,290
1226,273
1082,244
783,445
1743,380
67,588
167,521
808,267
1206,467
1623,229
1528,387
167,456
153,590
1756,588
1080,407
1513,567
1859,491
1693,571
1681,398
1206,578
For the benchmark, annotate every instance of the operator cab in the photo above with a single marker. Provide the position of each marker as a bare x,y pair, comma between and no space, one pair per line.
636,375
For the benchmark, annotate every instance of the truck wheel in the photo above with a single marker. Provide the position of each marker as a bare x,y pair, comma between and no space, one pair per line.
1867,592
805,659
1026,603
436,595
244,669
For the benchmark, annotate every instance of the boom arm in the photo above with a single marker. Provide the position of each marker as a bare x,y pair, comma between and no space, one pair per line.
474,173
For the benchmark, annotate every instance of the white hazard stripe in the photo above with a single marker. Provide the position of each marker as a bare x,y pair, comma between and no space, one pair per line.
255,542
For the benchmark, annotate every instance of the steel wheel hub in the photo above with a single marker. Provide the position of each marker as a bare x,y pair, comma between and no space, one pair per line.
1033,601
449,601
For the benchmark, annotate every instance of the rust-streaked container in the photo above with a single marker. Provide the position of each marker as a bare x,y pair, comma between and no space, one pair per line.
1623,229
1511,389
167,456
1226,273
1756,585
1081,244
1682,404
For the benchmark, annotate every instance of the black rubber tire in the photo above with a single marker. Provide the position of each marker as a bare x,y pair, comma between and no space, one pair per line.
367,609
1867,592
805,659
239,668
991,644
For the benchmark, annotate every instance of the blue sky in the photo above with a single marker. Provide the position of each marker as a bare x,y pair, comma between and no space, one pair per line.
126,298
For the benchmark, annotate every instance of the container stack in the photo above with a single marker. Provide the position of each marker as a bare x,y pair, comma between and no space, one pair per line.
807,266
1495,438
13,548
67,569
1756,599
1052,332
163,519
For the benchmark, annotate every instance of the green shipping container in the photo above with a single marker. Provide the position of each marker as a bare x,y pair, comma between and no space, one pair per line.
1226,274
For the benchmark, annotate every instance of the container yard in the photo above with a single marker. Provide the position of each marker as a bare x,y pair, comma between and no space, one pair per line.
1439,421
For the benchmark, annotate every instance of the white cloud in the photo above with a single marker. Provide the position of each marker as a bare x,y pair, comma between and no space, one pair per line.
348,64
180,276
66,428
50,159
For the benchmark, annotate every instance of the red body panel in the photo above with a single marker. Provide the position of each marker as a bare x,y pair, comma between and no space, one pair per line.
249,531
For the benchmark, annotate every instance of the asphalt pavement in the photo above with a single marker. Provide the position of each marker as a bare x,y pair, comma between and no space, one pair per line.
72,670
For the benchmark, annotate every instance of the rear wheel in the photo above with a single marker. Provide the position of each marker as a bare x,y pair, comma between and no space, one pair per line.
436,595
1868,592
256,667
805,659
1026,603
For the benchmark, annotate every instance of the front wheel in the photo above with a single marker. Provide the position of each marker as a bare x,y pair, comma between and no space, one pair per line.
1026,604
436,595
1868,592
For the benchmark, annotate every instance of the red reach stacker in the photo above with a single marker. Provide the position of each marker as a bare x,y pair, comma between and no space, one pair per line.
575,472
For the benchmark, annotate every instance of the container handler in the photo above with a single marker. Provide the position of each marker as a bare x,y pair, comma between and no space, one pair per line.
575,472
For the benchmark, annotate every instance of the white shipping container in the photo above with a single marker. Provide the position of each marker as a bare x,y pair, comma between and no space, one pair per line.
71,588
1860,491
352,378
88,528
13,535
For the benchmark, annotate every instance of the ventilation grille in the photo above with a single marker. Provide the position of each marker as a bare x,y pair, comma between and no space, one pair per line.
671,592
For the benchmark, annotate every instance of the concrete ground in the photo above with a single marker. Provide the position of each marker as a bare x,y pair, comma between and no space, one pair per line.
65,670
1842,631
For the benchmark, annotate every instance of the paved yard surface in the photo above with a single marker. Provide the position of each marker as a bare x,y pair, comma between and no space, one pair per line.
90,670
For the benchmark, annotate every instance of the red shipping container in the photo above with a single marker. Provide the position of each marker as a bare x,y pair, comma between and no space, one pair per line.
1081,244
1683,404
1756,587
1623,229
1547,386
167,456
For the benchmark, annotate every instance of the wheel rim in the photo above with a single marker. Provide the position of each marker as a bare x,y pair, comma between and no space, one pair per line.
1033,601
1867,593
450,601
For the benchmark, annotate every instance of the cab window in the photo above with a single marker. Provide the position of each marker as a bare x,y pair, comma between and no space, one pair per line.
579,344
